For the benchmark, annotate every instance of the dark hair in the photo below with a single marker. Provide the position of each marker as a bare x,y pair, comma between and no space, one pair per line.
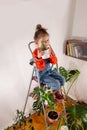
40,31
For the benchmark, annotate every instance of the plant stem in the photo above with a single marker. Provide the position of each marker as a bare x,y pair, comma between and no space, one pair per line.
71,86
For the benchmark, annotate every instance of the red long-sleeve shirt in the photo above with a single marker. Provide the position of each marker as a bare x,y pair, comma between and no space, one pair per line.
40,63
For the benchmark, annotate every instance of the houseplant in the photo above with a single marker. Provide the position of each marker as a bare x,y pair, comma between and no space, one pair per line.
52,117
77,117
69,75
20,120
43,95
59,126
76,113
45,49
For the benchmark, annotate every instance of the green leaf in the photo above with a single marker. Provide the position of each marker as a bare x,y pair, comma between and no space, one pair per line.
76,117
42,95
60,122
32,128
50,128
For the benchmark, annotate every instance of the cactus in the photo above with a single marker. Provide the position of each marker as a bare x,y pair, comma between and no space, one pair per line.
43,47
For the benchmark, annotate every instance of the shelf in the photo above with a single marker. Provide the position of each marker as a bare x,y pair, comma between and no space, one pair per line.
85,59
76,49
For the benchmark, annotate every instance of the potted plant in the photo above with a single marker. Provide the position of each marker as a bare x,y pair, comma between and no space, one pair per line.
61,120
76,116
43,95
42,47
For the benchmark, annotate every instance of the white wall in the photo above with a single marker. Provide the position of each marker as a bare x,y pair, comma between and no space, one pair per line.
80,19
17,25
79,30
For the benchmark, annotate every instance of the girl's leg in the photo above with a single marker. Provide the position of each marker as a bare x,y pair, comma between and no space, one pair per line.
50,82
58,77
58,94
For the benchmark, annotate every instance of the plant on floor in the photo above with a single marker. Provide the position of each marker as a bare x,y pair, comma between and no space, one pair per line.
43,95
52,117
20,120
77,117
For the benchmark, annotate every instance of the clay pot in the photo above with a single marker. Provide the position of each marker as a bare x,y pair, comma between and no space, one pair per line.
52,117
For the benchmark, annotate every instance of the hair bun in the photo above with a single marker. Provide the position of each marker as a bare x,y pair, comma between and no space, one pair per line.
38,27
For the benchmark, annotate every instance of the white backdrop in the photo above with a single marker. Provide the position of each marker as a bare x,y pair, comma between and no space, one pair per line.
18,19
80,31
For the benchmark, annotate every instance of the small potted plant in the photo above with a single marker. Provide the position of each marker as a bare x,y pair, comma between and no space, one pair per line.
42,47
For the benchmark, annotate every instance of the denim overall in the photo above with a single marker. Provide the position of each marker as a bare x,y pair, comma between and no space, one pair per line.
50,77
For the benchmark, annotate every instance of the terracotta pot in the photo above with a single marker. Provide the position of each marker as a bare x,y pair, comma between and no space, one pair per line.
52,117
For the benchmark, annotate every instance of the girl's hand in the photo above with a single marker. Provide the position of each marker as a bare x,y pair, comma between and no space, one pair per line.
50,51
40,54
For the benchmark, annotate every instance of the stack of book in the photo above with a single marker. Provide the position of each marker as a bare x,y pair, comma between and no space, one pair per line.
77,48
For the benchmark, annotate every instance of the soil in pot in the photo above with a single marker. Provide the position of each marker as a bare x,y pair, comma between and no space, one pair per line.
52,117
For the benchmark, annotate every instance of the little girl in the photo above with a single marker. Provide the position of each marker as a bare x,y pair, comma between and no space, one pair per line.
47,75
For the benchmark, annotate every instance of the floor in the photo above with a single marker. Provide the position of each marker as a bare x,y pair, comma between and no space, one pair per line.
38,121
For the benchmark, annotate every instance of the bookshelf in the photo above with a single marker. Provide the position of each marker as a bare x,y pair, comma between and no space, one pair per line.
76,48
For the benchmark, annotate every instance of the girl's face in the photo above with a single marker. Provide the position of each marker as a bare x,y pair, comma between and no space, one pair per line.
44,39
